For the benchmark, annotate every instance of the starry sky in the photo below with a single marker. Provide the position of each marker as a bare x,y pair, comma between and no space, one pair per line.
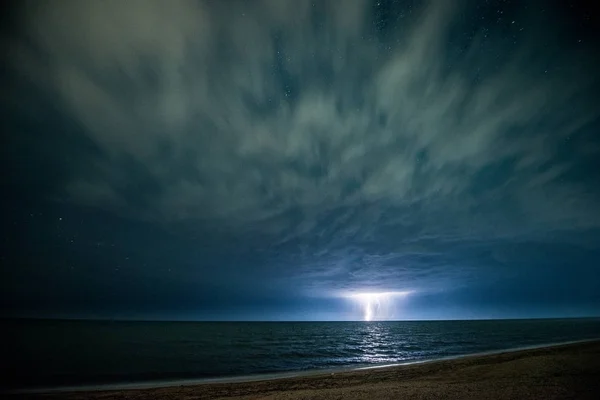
267,159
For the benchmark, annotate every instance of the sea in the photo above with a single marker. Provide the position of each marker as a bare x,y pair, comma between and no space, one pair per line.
99,354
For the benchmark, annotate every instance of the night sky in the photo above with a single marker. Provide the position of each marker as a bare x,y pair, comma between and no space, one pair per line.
268,159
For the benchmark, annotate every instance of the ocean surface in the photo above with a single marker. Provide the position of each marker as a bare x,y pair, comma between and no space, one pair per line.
48,353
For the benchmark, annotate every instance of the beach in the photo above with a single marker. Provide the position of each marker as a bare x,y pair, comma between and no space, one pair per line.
570,371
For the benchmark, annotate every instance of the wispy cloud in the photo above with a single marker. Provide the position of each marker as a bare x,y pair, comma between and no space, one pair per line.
321,120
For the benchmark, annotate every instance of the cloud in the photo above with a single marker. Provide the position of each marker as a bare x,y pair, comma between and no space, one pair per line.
412,127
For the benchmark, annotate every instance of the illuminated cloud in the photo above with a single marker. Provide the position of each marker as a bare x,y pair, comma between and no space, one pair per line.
378,305
314,146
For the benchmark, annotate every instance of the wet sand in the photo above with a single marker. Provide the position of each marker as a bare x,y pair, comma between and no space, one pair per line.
559,372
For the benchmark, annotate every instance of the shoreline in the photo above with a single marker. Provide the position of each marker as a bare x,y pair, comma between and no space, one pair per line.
282,376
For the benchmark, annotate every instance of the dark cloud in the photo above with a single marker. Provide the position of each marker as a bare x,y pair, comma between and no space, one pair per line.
315,146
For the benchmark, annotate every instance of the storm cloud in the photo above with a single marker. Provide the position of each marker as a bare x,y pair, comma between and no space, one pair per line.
337,145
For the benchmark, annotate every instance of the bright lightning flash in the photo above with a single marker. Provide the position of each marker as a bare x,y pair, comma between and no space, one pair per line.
372,302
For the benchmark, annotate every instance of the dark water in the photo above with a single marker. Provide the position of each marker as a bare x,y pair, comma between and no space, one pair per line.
55,353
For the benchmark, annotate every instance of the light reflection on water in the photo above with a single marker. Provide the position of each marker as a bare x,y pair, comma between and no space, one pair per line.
378,346
66,352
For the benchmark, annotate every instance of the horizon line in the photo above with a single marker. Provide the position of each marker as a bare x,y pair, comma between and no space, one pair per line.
86,319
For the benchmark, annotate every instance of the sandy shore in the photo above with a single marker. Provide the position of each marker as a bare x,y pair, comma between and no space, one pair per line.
559,372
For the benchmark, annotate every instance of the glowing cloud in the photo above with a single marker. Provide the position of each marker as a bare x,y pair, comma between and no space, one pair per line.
377,306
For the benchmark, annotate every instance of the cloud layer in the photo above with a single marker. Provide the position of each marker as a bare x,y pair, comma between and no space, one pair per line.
244,111
374,134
